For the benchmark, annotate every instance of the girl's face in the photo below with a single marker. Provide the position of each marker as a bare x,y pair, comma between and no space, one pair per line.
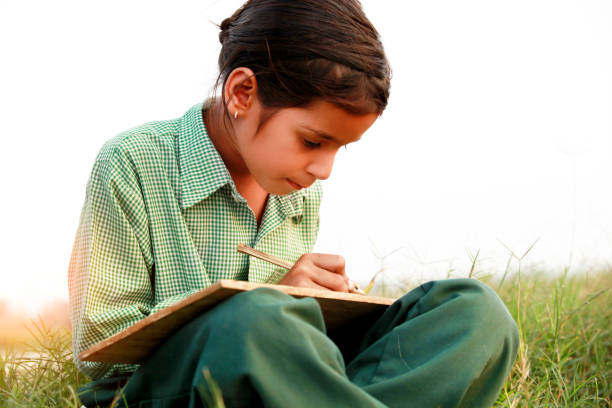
297,146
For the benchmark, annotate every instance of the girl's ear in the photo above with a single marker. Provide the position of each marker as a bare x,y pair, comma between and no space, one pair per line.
240,91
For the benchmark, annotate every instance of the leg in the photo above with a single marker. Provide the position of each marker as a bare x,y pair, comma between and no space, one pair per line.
445,344
263,348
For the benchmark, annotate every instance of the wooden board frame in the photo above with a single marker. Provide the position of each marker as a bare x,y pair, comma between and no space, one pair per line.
346,315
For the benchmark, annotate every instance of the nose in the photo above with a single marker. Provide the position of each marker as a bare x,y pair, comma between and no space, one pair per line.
321,166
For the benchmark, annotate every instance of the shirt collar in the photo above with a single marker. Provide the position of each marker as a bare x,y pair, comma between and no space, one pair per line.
202,170
292,204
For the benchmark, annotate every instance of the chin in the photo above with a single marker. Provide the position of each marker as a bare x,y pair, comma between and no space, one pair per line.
282,192
276,188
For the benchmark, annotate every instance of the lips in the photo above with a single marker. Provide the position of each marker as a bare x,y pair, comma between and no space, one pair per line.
295,185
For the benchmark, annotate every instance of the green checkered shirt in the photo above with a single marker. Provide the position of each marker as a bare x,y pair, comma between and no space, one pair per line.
162,219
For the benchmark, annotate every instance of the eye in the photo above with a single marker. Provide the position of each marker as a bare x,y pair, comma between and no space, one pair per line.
311,145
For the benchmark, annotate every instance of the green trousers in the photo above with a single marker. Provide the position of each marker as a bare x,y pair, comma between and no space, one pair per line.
448,343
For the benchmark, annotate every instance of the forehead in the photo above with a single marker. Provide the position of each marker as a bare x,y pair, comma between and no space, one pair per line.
330,122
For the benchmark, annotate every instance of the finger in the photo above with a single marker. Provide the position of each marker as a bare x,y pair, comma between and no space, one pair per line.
314,285
330,280
303,275
330,262
306,282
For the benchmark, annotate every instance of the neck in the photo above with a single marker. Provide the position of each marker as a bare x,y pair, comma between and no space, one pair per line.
226,145
224,141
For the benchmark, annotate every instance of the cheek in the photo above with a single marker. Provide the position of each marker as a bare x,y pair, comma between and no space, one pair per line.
278,147
281,159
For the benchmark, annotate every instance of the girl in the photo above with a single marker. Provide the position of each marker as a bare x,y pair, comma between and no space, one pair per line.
168,202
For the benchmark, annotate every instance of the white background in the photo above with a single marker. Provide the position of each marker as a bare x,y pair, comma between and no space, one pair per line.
498,129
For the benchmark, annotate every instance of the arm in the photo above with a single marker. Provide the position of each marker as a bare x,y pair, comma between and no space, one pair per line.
111,262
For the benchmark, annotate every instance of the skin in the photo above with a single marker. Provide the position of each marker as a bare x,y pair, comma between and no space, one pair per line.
290,146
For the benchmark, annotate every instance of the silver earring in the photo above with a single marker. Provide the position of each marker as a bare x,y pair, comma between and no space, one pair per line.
236,115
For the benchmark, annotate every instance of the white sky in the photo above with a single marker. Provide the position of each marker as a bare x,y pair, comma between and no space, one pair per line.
498,128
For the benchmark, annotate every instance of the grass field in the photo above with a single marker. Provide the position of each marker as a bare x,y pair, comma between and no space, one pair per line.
565,358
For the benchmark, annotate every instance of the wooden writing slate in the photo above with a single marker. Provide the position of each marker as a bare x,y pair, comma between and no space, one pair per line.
345,314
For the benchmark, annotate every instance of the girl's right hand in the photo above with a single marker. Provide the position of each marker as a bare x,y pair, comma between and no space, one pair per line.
319,271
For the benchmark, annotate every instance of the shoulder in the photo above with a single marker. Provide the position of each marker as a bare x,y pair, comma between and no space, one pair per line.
138,143
139,149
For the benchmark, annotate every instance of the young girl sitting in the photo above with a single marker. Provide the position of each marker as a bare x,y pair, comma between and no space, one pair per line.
168,202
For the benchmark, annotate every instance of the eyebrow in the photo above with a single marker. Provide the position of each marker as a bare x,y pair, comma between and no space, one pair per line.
324,135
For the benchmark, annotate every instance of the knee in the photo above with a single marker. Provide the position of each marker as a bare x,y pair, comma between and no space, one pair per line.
480,310
263,313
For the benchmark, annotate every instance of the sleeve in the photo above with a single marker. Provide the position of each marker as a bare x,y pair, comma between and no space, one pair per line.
111,265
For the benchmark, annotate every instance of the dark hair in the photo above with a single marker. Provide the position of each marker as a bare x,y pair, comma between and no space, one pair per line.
302,50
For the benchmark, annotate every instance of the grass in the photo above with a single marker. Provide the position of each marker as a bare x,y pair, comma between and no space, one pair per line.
565,357
40,372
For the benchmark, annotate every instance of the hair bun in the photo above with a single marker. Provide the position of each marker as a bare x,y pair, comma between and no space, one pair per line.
225,26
